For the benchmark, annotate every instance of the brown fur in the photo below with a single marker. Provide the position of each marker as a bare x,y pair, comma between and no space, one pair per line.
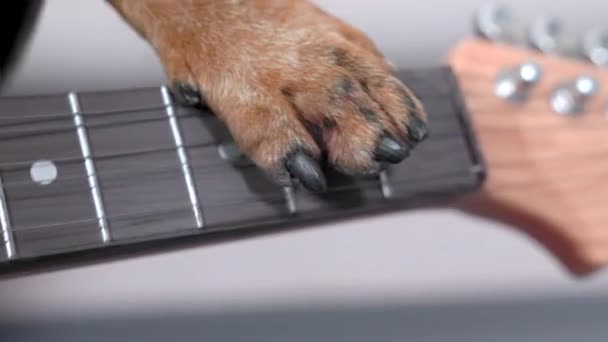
282,75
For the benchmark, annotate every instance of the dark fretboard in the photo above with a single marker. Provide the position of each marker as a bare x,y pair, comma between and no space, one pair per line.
95,172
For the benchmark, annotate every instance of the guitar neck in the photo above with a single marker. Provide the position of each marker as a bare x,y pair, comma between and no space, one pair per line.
107,171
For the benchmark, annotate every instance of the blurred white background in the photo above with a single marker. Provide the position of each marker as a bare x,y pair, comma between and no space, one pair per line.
421,257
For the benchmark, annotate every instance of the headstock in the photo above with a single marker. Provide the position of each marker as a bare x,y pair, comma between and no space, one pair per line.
541,119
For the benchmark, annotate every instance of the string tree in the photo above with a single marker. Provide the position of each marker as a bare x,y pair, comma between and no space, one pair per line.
515,84
570,98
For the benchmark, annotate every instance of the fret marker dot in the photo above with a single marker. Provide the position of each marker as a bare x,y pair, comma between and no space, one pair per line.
43,172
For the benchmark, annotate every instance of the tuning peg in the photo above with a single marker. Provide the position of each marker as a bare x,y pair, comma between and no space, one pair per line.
595,46
571,98
514,84
546,34
499,24
551,36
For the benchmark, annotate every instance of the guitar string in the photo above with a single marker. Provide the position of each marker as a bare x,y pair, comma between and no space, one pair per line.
33,132
271,196
115,112
152,109
168,165
276,195
531,184
70,129
278,198
25,165
413,199
148,110
160,118
159,107
77,157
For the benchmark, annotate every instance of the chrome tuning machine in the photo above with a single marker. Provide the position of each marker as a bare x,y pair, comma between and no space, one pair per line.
551,36
595,46
498,23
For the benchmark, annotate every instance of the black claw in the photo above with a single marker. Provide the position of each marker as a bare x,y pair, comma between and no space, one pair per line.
391,151
307,170
187,94
417,130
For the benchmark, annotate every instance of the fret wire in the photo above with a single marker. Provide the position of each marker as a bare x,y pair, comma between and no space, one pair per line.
83,141
385,184
5,222
182,157
290,199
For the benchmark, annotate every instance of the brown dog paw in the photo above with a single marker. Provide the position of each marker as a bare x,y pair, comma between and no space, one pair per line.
292,83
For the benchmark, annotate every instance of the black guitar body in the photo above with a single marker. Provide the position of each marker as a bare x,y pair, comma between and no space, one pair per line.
18,19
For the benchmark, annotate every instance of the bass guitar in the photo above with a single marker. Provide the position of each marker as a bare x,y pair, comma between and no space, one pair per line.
517,134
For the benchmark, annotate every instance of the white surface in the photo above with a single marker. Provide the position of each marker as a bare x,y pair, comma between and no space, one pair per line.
408,257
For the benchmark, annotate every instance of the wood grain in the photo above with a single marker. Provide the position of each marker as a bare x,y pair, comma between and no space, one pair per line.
546,172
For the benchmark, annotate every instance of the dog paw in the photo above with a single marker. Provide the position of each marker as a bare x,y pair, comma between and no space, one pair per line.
295,86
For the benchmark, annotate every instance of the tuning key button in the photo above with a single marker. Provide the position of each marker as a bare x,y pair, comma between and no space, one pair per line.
595,46
571,98
515,84
493,21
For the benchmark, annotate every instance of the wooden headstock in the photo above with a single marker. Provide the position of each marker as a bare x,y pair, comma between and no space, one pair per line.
547,173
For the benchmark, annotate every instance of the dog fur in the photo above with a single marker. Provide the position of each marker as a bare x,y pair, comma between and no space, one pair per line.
284,76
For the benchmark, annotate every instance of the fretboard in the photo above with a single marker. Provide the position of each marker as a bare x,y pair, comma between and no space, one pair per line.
100,171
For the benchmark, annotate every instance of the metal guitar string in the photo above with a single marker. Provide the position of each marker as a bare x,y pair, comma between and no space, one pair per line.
168,167
278,197
273,197
154,111
26,164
